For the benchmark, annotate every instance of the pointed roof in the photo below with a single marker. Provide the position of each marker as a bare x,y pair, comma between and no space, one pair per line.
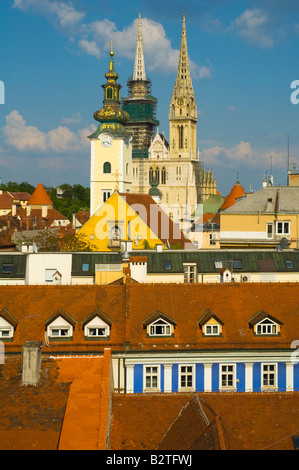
139,67
40,197
183,81
236,192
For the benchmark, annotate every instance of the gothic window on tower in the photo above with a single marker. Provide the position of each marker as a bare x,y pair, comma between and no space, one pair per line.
154,175
107,167
163,176
106,194
181,137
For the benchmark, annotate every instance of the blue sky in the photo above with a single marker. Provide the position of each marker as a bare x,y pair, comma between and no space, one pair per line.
243,54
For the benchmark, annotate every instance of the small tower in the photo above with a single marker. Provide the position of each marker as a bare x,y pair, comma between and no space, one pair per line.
111,149
182,109
140,105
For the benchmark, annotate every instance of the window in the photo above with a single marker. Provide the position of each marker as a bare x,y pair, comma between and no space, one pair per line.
151,378
238,264
282,228
269,375
60,332
5,332
186,377
167,264
106,195
212,239
212,330
107,167
266,327
85,267
190,273
269,230
97,332
163,176
109,93
7,268
289,264
160,328
227,376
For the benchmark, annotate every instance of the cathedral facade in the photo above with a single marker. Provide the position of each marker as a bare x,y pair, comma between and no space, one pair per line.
129,154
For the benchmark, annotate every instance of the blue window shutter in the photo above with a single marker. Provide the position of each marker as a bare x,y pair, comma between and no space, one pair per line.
241,377
215,377
282,377
256,377
199,377
175,377
162,377
138,378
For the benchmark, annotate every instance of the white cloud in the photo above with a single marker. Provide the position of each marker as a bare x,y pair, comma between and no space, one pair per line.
23,137
90,47
65,13
75,119
254,26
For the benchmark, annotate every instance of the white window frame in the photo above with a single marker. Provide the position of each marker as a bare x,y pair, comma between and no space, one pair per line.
189,276
266,328
215,329
163,324
8,330
60,324
96,324
223,371
265,373
269,224
283,223
106,193
187,374
59,330
151,374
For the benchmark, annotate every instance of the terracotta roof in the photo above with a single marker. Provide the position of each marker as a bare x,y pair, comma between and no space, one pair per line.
35,220
6,201
82,217
151,214
128,306
252,421
40,197
236,192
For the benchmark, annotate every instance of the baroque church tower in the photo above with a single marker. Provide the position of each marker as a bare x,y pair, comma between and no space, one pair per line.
111,145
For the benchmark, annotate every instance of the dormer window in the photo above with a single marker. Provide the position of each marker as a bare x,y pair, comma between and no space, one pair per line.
160,328
159,324
8,325
210,324
266,327
264,324
97,326
60,326
211,330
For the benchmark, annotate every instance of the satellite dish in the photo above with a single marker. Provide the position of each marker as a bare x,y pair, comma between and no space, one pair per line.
284,243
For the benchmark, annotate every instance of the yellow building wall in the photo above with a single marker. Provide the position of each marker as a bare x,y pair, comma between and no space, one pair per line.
114,212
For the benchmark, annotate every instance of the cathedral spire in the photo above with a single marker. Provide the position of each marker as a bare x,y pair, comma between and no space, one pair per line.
183,80
139,67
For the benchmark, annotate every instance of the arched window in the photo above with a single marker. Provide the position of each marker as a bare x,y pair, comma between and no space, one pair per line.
109,93
154,175
107,167
163,175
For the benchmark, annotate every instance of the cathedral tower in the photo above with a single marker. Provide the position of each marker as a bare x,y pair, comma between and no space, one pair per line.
183,110
111,148
140,105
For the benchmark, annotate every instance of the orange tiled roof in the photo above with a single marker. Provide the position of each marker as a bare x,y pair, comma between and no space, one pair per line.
236,192
252,421
40,197
128,306
164,222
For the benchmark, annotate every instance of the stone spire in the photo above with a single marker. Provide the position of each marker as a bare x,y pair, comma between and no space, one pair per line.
139,67
183,84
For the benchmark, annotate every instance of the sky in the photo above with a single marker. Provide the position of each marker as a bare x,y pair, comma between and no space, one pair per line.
244,67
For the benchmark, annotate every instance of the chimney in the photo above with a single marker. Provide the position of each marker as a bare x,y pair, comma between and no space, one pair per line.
44,211
13,210
28,210
32,357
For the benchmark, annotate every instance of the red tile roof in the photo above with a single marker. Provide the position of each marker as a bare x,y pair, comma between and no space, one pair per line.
40,197
236,192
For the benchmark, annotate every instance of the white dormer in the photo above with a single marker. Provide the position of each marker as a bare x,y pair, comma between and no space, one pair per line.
6,329
97,328
60,328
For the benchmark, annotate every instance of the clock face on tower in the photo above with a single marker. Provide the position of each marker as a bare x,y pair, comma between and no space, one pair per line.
106,140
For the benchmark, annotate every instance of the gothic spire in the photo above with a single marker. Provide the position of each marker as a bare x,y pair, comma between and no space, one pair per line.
139,68
183,81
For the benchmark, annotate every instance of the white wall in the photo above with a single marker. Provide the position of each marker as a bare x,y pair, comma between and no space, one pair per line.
37,263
